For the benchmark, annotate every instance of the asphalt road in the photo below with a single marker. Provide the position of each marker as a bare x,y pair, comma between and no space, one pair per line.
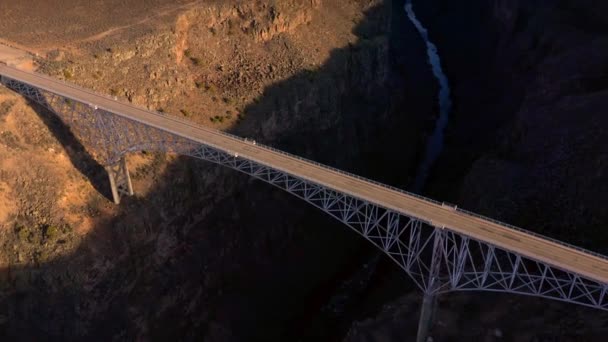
12,56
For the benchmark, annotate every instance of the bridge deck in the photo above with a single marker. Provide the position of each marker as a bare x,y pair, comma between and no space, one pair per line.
525,244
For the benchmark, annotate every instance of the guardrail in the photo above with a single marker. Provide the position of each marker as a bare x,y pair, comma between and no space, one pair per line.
275,150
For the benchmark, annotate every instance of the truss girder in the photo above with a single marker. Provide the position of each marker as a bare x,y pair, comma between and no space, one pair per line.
438,260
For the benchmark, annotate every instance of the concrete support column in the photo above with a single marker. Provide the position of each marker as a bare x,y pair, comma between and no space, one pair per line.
427,317
120,181
429,302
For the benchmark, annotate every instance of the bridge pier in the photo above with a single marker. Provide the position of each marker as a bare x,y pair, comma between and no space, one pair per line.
429,301
120,181
427,316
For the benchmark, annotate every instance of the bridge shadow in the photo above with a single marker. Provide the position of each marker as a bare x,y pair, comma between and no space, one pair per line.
210,254
82,160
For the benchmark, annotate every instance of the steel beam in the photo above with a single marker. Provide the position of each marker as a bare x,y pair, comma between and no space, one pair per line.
438,260
120,180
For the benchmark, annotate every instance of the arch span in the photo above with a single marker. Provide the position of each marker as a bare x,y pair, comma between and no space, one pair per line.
438,259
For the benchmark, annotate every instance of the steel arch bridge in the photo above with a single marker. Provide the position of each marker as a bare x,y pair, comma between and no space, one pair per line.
437,258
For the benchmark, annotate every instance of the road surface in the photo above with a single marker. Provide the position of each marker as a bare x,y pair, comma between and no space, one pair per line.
525,244
16,57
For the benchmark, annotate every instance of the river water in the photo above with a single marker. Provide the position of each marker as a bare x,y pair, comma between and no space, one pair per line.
435,141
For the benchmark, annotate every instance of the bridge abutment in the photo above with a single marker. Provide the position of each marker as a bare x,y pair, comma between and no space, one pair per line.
120,180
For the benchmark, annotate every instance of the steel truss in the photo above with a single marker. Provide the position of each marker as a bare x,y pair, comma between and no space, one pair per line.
120,180
438,260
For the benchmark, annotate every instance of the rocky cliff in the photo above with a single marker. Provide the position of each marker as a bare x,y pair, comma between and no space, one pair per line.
526,144
536,100
202,252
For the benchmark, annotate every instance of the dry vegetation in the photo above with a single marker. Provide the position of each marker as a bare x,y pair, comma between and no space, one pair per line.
205,62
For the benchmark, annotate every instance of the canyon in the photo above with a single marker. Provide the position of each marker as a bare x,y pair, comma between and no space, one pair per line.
523,145
204,253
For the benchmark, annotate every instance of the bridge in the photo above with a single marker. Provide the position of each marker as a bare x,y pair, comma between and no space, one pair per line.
440,247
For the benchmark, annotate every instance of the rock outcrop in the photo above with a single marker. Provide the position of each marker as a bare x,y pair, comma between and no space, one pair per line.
537,107
203,252
526,144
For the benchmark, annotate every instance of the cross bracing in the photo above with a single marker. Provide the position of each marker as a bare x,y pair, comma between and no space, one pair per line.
438,259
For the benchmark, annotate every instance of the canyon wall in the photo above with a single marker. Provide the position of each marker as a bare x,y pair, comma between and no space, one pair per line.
202,252
526,144
531,94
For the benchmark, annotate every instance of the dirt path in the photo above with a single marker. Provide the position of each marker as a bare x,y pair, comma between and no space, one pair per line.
119,29
67,24
20,56
16,57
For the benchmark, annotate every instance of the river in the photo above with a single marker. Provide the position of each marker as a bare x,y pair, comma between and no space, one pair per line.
435,142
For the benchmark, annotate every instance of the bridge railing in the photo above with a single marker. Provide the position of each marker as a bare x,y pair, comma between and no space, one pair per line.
244,140
199,126
195,125
544,237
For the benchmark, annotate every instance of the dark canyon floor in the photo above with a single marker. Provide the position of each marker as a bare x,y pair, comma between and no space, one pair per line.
203,253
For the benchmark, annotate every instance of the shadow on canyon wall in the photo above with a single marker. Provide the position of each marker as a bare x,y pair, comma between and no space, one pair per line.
84,162
213,254
526,143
